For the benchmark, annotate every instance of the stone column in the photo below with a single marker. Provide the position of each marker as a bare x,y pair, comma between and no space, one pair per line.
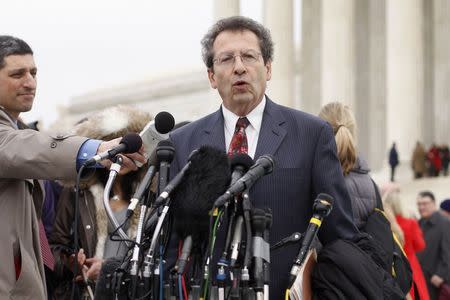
278,17
441,76
405,69
225,8
370,80
311,56
338,55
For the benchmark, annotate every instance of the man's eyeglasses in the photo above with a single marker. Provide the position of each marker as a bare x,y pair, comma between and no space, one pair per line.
248,58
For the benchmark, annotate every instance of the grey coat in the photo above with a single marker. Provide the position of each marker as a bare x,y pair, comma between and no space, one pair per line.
362,192
435,258
26,155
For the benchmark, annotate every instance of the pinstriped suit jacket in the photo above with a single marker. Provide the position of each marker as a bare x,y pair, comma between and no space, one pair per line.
306,164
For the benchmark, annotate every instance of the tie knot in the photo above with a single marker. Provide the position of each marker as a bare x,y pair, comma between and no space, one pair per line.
242,122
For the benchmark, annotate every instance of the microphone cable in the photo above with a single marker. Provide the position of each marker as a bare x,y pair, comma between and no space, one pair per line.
75,229
214,225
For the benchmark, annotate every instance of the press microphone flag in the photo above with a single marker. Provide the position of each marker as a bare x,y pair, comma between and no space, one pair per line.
130,143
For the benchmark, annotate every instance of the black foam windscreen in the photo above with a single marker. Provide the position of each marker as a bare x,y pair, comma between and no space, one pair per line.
164,122
132,141
241,159
207,178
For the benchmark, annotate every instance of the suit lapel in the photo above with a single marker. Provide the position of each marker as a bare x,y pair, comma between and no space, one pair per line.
213,134
272,133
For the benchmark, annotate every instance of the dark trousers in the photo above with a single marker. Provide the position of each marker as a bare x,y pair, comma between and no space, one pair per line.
393,172
49,282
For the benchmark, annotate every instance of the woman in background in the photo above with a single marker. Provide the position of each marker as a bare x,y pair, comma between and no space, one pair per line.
414,243
356,171
93,226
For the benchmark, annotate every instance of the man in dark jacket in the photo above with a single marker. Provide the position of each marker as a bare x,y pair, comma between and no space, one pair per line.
393,160
435,259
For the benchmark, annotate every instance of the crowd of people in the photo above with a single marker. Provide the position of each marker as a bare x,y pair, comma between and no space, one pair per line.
431,163
313,154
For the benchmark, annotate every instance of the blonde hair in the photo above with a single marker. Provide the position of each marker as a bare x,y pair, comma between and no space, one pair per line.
393,200
343,122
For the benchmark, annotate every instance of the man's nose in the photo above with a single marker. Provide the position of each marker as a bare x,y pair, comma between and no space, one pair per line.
30,81
239,67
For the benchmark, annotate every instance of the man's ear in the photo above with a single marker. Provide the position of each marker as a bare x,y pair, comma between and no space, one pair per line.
212,78
268,70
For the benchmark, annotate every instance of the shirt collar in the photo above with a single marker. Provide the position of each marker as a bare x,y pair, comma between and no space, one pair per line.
254,117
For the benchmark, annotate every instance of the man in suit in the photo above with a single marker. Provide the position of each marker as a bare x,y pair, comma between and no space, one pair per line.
238,54
435,259
27,155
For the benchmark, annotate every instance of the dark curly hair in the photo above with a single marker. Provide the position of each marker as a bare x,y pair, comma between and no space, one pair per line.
10,45
237,23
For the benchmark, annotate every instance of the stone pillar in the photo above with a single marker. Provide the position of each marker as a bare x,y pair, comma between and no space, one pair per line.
370,80
225,8
405,70
338,55
441,71
278,17
428,128
311,57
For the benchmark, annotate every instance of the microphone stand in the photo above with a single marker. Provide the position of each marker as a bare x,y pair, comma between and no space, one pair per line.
149,260
235,245
245,276
165,152
134,271
223,263
266,265
114,170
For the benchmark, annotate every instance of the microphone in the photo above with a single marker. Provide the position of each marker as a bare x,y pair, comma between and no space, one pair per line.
263,166
237,237
240,163
207,178
154,132
165,151
157,130
321,208
142,188
130,143
261,248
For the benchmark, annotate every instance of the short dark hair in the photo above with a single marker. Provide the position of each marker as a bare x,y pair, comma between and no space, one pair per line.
10,45
427,194
237,23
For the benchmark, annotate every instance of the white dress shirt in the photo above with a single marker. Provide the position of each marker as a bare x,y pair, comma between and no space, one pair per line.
252,130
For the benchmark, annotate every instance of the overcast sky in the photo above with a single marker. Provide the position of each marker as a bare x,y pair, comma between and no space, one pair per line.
80,46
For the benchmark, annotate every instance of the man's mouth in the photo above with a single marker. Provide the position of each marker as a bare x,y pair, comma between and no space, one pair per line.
239,83
27,94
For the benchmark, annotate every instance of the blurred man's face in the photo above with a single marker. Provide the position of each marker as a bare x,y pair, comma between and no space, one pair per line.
241,77
426,206
18,84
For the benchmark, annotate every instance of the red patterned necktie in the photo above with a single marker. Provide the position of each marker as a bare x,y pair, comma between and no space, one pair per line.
47,256
239,141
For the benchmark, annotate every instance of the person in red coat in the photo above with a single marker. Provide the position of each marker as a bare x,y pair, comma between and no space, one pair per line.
414,242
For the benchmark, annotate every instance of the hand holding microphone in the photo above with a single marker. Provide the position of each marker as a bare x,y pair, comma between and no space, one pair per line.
130,145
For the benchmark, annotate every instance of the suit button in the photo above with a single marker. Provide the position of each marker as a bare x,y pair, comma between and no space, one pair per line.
53,145
88,226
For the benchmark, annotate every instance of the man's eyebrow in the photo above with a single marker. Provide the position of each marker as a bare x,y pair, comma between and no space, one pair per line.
21,70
